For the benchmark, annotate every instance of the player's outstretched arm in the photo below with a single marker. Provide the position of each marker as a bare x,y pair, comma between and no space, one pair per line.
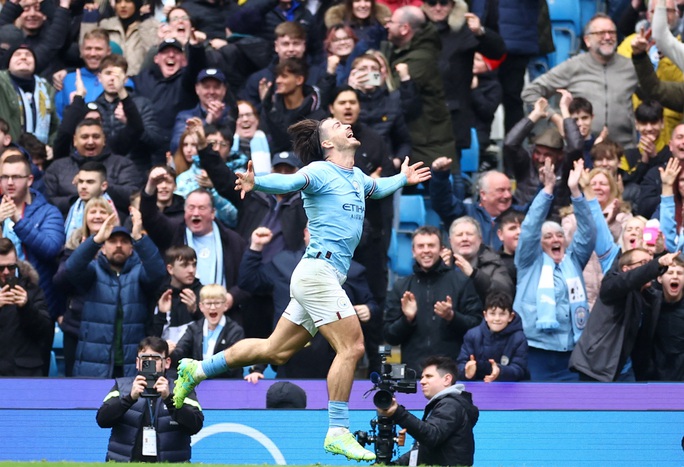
415,173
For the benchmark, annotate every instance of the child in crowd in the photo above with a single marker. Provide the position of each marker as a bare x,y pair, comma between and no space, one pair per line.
177,306
509,232
213,333
91,182
495,350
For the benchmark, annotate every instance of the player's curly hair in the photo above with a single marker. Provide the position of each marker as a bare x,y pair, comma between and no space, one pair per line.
306,140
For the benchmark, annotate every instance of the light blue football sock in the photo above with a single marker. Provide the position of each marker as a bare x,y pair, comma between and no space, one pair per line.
338,414
215,365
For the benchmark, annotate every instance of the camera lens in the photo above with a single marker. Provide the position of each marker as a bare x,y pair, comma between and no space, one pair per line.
382,399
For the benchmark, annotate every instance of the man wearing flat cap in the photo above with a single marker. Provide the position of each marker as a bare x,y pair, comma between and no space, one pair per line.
522,164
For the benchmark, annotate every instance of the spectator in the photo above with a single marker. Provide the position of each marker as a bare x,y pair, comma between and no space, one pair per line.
608,349
667,350
89,145
582,112
342,43
652,150
33,225
195,177
486,95
95,212
177,306
651,185
552,299
131,413
116,286
169,81
664,53
162,188
141,142
381,110
365,17
25,325
477,261
26,99
211,334
509,234
45,38
445,434
495,199
462,35
93,48
517,21
212,92
290,42
415,43
209,16
91,182
220,249
430,311
249,142
496,350
601,76
127,28
523,165
285,395
289,100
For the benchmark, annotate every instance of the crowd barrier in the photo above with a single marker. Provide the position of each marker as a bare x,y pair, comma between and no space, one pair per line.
521,424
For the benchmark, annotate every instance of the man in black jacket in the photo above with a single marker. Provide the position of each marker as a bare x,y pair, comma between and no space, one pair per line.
445,434
429,312
623,318
136,410
25,325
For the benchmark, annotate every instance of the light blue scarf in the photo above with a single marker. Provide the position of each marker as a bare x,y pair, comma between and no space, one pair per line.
37,122
218,276
546,297
8,233
210,338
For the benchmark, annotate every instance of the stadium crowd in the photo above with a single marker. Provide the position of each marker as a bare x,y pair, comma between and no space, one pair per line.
123,124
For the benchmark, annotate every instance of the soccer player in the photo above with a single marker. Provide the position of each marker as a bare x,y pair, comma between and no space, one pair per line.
334,193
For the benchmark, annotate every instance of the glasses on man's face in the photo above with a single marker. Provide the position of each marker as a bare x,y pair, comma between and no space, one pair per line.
8,267
213,304
179,18
217,144
246,115
9,178
603,33
437,2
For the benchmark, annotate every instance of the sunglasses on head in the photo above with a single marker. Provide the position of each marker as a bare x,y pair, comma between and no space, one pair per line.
435,2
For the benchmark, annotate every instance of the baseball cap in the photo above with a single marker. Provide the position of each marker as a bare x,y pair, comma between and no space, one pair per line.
170,42
285,395
286,157
212,73
550,138
121,230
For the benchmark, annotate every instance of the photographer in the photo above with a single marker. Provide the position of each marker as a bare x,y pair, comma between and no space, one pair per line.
445,434
146,427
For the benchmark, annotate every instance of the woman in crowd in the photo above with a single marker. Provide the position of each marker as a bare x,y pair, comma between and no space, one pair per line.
366,17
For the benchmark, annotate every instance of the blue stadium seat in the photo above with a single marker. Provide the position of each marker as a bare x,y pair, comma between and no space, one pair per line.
566,13
565,42
470,157
411,212
400,255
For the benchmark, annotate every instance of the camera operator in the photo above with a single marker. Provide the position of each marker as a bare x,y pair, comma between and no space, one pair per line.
146,427
445,434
